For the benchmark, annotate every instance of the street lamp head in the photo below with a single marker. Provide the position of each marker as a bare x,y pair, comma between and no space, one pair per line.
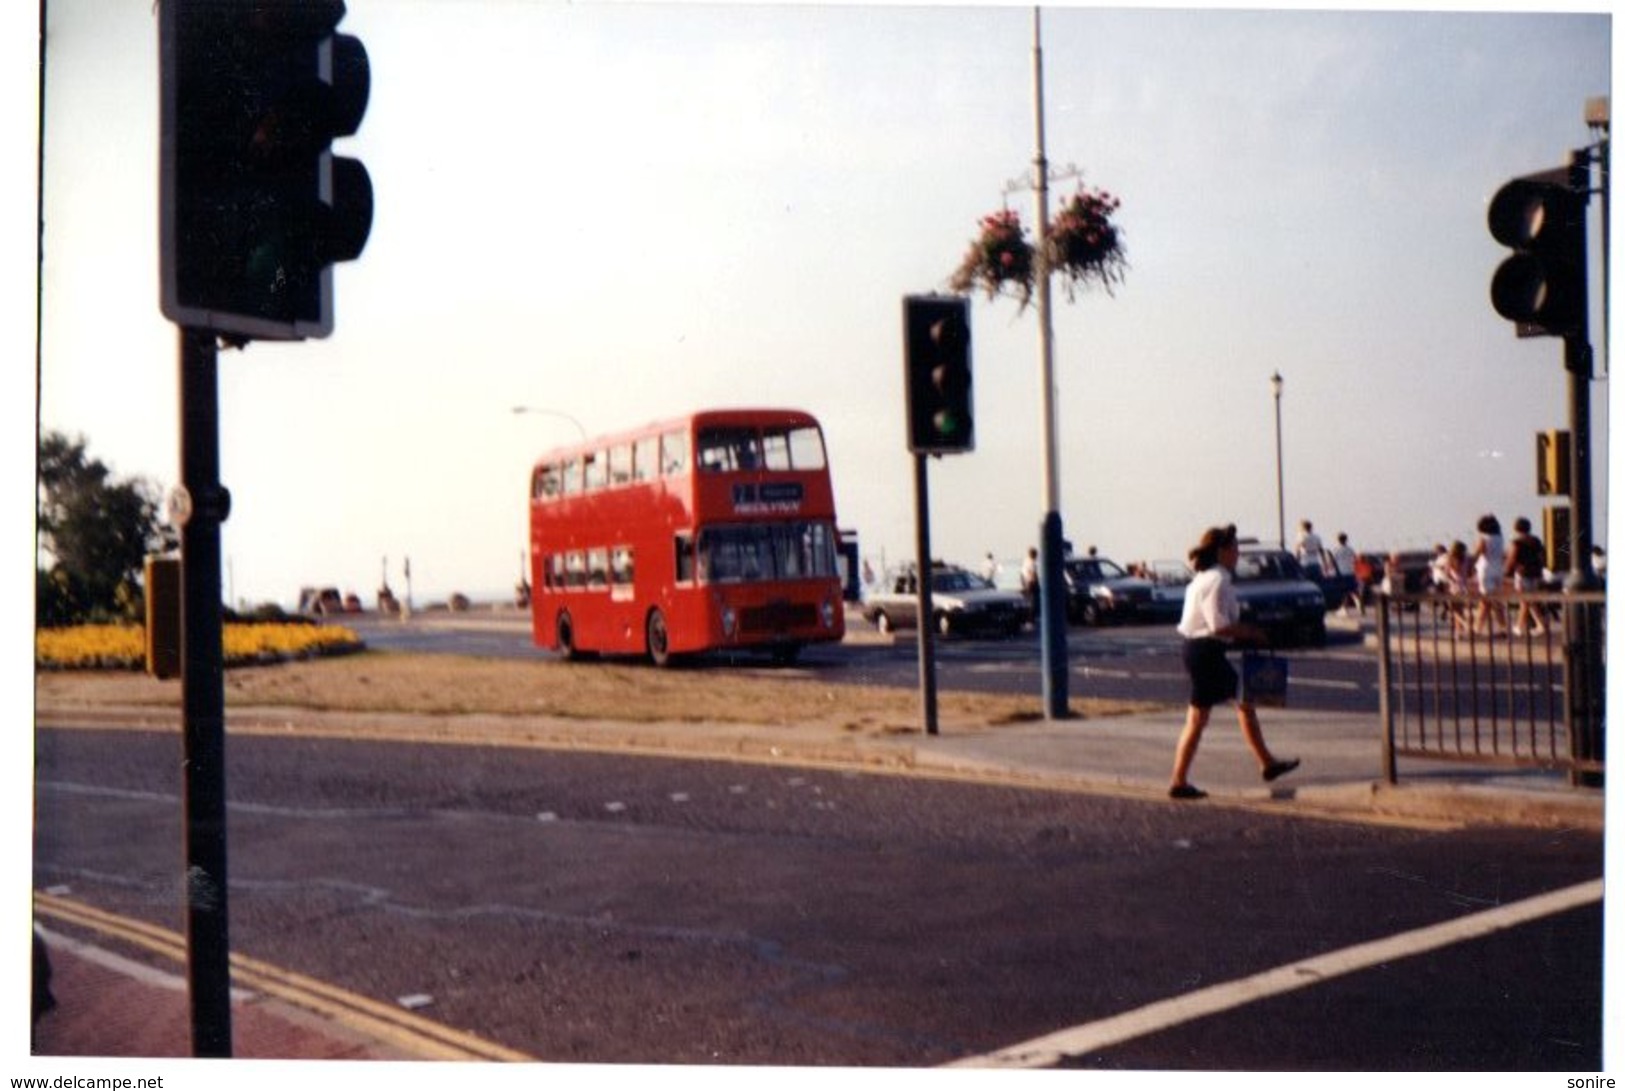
1276,382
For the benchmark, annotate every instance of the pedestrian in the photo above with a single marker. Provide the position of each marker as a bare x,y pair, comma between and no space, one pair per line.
1439,569
1211,618
1489,566
1344,563
1310,551
1393,576
1458,582
990,568
1526,562
1365,574
1029,582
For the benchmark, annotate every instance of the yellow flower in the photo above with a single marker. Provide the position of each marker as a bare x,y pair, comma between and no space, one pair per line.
123,647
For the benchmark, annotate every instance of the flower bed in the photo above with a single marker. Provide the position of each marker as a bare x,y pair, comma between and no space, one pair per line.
123,647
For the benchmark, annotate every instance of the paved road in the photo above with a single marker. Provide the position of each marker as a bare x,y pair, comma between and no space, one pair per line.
1139,662
583,907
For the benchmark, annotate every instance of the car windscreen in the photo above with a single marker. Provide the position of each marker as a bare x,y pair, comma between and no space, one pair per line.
1267,566
1095,570
957,581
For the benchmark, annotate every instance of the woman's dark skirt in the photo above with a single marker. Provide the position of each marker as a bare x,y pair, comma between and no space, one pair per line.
1213,679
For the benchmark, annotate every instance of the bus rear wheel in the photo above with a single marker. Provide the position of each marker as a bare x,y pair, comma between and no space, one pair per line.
658,640
565,637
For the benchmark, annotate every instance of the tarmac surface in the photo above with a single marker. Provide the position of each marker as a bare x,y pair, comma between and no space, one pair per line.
109,1005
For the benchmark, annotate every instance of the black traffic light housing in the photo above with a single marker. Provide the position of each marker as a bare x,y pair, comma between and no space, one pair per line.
1542,285
936,340
253,206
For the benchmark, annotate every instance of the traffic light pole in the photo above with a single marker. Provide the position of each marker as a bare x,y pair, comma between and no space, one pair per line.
1582,624
1577,362
926,629
203,506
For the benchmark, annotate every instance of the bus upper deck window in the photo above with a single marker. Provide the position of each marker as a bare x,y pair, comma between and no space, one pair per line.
620,464
674,454
570,477
806,449
597,471
646,459
545,486
728,449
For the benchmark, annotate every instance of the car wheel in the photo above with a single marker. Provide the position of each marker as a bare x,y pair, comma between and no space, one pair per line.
1089,613
658,639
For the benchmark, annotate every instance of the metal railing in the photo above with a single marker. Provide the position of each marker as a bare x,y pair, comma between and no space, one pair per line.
1460,679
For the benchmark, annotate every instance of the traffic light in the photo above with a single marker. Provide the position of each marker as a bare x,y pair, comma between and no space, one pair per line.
1552,463
1542,286
253,206
936,341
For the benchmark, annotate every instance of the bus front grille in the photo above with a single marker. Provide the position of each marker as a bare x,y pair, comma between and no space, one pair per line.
777,617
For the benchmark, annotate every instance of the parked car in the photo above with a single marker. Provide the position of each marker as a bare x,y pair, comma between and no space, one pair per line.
1335,587
1099,591
1415,566
962,603
1276,596
320,601
1168,582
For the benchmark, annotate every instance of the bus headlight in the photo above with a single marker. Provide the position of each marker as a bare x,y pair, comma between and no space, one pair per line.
730,622
829,613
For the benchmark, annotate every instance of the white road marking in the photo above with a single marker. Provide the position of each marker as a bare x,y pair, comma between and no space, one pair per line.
1082,1040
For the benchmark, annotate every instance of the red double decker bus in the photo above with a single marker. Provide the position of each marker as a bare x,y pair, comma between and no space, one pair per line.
711,531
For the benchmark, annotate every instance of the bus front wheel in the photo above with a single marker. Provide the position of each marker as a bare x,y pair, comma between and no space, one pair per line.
659,641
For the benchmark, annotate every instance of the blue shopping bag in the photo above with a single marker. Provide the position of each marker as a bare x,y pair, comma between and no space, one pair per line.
1263,678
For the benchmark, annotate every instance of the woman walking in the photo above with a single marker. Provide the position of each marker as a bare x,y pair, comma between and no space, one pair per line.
1212,616
1489,566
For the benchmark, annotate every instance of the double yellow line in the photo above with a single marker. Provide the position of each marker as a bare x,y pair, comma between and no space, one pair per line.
382,1022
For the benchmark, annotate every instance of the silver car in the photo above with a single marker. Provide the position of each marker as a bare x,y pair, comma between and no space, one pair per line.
962,603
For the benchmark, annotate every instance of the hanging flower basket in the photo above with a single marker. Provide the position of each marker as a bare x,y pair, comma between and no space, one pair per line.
1084,244
1000,259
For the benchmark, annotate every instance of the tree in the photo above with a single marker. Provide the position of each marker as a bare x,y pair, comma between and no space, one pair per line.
97,532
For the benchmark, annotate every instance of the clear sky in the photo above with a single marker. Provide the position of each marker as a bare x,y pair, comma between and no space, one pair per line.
621,212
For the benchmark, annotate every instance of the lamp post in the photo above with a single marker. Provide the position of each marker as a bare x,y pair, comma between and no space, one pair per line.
521,410
1276,382
1051,584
